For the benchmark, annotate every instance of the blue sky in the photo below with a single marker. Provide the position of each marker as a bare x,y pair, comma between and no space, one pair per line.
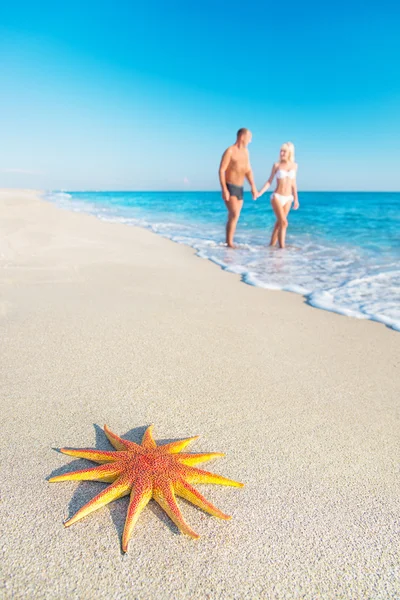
101,95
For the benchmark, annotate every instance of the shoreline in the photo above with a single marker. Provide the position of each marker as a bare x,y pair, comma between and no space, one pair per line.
103,323
315,298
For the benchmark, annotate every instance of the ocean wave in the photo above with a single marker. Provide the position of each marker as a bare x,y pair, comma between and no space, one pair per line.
57,197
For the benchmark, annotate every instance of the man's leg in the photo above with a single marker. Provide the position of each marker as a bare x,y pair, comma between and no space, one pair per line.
234,207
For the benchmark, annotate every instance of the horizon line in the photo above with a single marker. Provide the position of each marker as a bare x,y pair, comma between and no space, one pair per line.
138,191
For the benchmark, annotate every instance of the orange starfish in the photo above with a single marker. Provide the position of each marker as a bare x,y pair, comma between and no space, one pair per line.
146,471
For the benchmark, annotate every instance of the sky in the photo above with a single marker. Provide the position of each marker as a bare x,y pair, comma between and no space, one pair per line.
146,96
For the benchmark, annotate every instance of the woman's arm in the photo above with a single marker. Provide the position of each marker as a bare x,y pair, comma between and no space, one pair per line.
294,192
268,183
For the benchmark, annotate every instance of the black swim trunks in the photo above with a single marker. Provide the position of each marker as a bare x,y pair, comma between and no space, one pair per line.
235,190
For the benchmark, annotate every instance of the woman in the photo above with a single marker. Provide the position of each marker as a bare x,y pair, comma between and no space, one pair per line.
286,191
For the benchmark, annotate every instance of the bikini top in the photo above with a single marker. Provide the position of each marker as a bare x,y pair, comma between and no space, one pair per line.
282,173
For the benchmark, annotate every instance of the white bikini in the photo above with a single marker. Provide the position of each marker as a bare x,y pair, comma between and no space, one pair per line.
281,174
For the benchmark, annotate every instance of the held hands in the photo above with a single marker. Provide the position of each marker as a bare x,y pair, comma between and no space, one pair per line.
263,190
254,193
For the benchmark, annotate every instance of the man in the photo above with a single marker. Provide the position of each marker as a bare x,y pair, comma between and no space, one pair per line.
234,167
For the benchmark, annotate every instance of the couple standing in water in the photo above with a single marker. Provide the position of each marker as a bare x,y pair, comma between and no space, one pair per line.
235,167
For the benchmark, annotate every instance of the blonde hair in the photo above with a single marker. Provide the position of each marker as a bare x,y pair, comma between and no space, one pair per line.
290,148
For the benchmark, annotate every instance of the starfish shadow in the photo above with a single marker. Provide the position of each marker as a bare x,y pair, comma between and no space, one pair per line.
102,443
133,435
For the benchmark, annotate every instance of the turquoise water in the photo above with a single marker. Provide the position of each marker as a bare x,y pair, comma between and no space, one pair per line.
343,249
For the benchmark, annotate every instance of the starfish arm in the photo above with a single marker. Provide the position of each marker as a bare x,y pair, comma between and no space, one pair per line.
185,490
140,496
175,447
148,440
163,493
194,475
119,443
103,473
99,456
194,459
118,489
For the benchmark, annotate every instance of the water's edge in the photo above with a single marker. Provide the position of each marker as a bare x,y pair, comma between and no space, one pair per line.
315,298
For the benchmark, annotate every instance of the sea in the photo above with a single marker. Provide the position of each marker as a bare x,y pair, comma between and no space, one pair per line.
342,254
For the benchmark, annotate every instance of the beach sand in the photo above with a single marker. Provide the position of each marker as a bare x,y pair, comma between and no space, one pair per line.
105,323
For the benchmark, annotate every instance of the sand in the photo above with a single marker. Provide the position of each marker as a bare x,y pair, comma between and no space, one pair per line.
105,323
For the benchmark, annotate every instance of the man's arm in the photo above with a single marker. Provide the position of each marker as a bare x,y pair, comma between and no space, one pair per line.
225,160
250,179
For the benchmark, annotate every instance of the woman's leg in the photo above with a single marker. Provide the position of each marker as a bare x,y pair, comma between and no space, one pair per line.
279,211
286,210
234,207
274,236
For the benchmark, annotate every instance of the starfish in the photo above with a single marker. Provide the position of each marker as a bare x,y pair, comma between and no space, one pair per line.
146,471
